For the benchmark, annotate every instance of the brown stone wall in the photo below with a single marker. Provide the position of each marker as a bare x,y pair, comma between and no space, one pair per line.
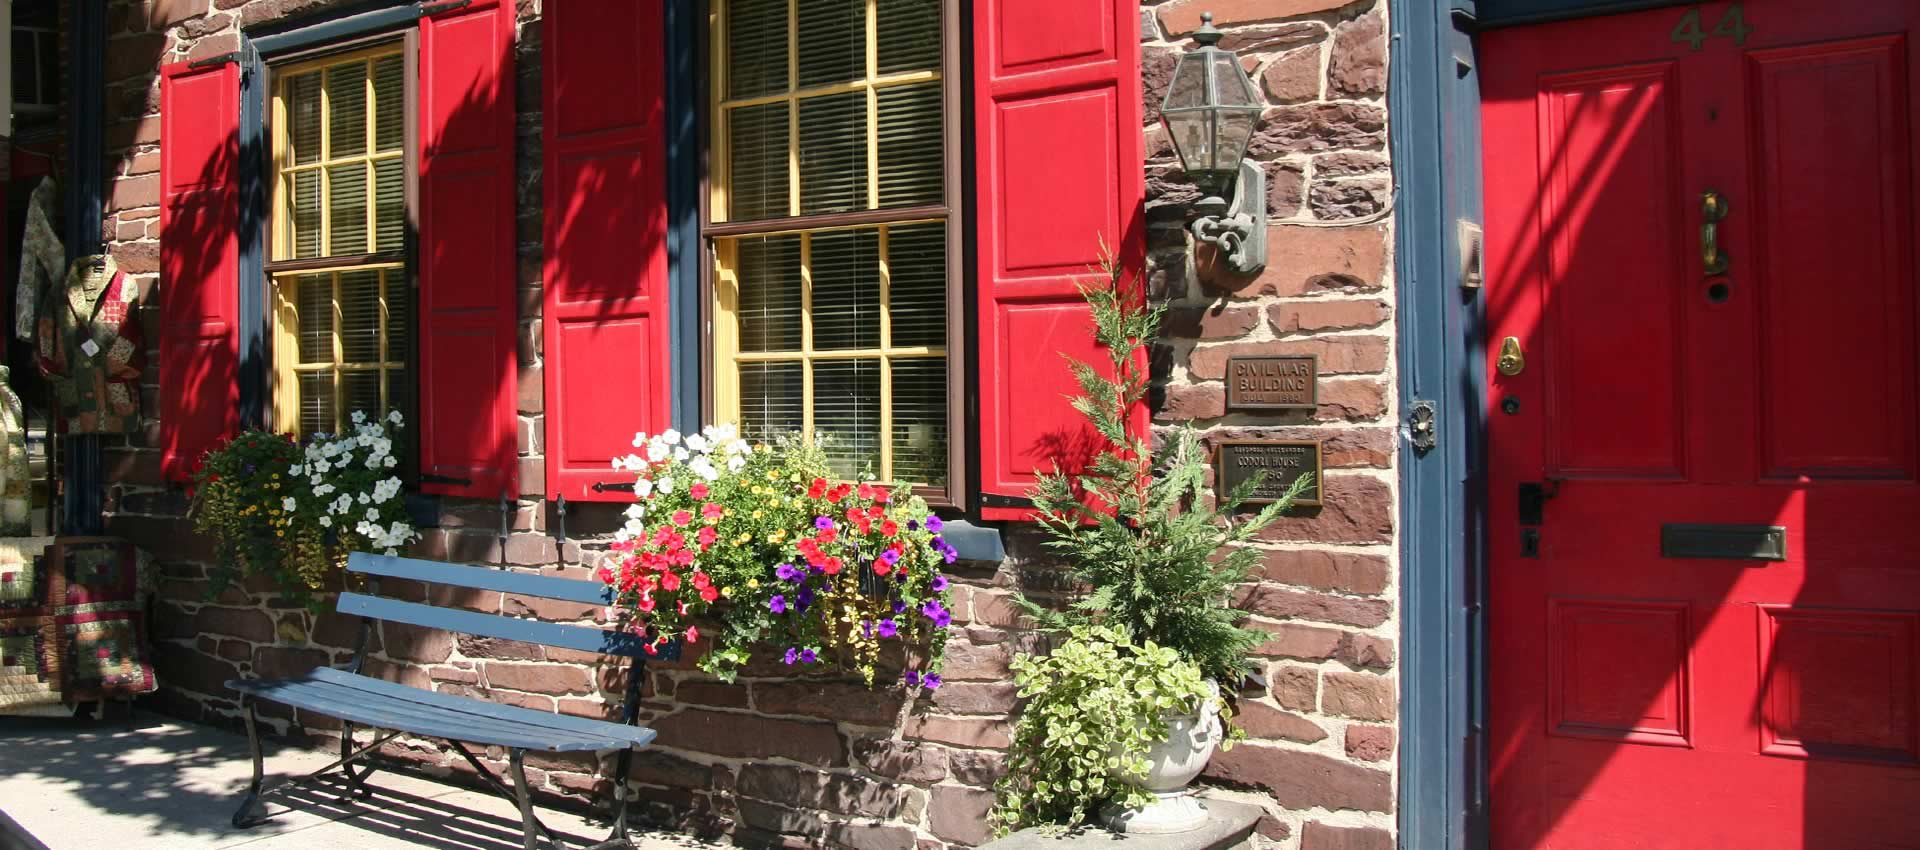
1321,750
776,760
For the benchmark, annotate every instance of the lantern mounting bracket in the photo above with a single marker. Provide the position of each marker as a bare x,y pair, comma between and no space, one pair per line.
1238,229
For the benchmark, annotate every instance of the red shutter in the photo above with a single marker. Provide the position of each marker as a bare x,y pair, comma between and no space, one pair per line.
1060,171
199,262
467,263
606,242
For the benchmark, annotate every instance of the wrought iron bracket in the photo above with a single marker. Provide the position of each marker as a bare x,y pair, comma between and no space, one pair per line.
1240,233
1422,430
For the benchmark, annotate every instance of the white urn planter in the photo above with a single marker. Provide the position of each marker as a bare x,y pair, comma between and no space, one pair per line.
1172,764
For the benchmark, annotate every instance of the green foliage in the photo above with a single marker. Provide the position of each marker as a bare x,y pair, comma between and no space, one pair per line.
291,512
1134,529
1094,707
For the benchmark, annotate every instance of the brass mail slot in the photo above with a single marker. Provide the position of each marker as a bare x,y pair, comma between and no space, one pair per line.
1723,542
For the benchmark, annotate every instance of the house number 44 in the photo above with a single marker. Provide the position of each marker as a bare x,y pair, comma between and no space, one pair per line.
1732,24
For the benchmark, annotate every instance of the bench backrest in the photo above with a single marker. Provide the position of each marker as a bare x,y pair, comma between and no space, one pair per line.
582,638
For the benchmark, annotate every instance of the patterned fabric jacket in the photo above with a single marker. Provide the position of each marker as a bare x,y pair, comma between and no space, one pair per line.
41,258
90,346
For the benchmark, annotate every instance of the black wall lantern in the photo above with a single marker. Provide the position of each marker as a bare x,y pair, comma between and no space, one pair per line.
1210,113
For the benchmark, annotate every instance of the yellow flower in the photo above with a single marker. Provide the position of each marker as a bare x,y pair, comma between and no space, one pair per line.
757,513
753,583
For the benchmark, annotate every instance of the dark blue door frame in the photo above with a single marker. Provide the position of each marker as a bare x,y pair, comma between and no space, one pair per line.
1434,98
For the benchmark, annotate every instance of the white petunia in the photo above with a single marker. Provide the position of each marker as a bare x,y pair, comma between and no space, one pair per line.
736,463
326,522
658,451
639,439
664,485
364,498
619,464
287,503
670,436
395,417
704,468
643,487
697,443
359,417
373,514
321,467
390,462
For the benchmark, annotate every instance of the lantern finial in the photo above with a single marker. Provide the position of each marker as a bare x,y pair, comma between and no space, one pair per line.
1206,35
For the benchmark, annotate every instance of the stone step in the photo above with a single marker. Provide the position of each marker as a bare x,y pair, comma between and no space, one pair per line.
1229,826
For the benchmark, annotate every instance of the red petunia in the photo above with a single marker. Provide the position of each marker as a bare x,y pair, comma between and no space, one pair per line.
880,568
866,491
682,517
839,493
693,633
832,566
707,536
889,528
712,510
652,649
818,489
698,491
669,582
603,575
708,594
646,603
829,535
701,580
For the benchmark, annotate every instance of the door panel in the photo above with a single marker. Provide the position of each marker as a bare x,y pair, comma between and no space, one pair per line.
1638,700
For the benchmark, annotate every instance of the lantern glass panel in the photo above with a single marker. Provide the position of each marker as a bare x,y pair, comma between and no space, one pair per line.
1188,88
1192,139
1235,132
1230,82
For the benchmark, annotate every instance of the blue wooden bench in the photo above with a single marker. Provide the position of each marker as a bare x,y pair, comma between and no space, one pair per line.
392,709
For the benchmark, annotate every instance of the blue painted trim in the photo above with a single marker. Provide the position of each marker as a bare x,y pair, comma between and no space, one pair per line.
974,542
685,254
1504,13
86,104
254,329
1434,99
352,22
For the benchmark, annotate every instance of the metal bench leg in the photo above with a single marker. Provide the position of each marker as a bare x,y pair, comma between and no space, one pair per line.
245,817
516,762
356,782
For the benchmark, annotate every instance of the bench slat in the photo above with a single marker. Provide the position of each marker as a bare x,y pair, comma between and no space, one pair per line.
383,688
582,638
458,724
484,578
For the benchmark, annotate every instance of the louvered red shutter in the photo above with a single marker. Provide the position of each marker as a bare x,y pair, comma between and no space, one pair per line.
466,252
199,262
604,146
1060,171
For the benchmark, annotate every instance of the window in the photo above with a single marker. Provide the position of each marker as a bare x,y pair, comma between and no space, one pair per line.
340,292
833,230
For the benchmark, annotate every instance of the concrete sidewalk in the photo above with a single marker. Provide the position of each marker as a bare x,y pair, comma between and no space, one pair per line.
166,786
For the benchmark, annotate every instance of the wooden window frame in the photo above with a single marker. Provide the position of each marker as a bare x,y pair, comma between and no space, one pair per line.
282,386
718,376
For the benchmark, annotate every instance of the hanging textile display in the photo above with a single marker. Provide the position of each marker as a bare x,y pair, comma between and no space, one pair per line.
90,346
72,622
42,257
16,484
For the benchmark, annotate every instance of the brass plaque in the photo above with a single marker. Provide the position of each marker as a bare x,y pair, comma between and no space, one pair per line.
1277,382
1282,461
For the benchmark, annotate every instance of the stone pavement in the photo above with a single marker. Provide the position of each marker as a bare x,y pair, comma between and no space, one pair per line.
72,785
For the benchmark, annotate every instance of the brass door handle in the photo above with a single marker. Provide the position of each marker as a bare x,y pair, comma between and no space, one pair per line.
1713,210
1512,361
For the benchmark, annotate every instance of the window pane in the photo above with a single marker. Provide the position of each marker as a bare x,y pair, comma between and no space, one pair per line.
757,149
917,289
920,421
347,209
846,415
390,204
833,153
911,145
833,41
305,203
313,299
346,110
361,391
769,305
303,118
846,289
756,47
360,317
771,396
390,103
909,35
316,402
399,316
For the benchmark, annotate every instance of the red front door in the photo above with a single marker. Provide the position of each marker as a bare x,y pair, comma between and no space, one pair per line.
1700,238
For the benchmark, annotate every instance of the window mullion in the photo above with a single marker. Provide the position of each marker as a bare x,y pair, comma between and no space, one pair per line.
806,336
339,354
886,362
793,119
873,107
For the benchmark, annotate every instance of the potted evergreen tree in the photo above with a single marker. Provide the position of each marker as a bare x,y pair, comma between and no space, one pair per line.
1153,559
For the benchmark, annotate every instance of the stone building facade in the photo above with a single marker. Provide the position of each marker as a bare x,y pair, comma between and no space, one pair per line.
785,761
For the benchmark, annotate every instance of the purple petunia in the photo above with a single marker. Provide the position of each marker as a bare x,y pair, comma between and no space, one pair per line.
949,554
822,523
899,607
804,598
939,583
913,525
778,604
936,612
931,681
866,628
889,628
934,524
792,654
889,557
808,656
912,678
789,572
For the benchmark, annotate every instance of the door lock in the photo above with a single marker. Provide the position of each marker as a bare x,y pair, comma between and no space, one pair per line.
1512,360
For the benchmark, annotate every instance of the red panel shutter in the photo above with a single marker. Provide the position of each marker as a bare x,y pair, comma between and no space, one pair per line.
1060,172
604,145
199,262
467,299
